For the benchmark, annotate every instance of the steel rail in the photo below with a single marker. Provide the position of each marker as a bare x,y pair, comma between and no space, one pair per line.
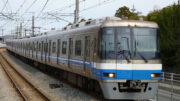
14,83
25,99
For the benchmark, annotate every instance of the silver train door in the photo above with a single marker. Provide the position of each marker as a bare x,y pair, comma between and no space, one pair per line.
58,50
49,52
32,49
37,49
87,63
70,53
46,50
42,51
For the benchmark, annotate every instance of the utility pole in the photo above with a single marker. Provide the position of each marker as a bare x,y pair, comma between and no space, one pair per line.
76,12
17,32
25,32
20,30
32,25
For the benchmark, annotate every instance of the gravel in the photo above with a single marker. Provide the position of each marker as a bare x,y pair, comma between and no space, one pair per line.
54,89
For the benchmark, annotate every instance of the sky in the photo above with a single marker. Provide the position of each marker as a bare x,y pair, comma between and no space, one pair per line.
58,13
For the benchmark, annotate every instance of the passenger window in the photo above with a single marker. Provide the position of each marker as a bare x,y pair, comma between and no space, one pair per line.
64,47
78,48
54,47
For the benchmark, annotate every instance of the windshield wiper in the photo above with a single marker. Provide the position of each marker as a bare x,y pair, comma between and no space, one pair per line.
127,42
126,58
122,52
143,57
140,54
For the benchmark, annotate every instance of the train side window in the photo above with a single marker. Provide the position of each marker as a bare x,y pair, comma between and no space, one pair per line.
54,47
78,48
64,47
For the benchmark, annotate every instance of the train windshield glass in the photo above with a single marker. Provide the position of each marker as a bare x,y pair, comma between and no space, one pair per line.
129,43
146,43
107,43
120,50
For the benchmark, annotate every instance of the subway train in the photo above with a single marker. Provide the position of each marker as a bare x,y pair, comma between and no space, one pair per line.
119,58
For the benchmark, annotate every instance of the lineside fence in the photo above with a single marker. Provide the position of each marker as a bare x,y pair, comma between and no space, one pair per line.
169,86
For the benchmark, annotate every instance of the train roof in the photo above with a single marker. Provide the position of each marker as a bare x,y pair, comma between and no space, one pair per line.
101,22
130,23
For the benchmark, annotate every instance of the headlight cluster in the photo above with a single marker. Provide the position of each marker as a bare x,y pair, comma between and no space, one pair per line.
155,75
109,75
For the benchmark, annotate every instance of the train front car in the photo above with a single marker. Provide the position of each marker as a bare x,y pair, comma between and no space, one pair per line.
129,65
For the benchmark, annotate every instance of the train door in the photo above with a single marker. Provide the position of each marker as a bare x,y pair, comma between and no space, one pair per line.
49,51
58,50
46,50
87,62
32,49
70,53
24,49
42,55
37,49
29,50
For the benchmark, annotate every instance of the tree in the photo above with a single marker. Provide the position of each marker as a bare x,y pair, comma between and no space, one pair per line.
82,20
168,20
125,11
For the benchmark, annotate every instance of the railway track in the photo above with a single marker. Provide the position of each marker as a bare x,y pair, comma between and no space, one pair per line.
24,88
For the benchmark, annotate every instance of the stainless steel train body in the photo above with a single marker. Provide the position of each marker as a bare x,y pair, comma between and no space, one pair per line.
122,55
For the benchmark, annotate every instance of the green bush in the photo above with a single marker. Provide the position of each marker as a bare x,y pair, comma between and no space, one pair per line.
168,20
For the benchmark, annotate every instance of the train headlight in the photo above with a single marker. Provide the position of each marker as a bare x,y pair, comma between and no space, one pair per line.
155,75
109,75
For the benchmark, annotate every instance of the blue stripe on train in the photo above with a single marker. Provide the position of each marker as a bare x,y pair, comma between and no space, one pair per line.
120,74
127,74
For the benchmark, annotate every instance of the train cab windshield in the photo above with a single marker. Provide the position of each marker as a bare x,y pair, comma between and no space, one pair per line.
129,43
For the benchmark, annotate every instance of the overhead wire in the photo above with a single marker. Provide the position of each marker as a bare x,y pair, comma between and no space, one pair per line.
30,5
4,6
66,7
61,9
43,8
57,10
21,6
28,9
96,5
